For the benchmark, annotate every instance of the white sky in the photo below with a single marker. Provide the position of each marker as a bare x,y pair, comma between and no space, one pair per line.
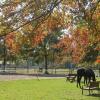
1,1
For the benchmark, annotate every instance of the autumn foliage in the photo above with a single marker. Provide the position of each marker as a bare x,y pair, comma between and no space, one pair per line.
12,45
28,26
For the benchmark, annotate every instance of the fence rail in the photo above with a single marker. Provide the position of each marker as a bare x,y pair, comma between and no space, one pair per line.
36,70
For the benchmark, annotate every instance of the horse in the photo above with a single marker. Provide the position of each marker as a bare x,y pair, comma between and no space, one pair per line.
80,74
88,75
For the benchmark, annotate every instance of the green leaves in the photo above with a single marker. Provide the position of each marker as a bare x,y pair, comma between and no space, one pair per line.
91,54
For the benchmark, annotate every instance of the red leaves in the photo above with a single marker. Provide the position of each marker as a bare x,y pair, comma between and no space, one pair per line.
75,45
80,41
9,40
38,38
11,43
98,59
64,43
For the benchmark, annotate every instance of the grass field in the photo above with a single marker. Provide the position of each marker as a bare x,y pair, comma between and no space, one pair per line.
45,89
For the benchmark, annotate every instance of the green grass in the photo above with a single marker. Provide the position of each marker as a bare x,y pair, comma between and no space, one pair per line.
45,89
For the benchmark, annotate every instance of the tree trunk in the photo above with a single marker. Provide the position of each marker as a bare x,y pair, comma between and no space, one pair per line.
4,60
46,60
4,64
46,63
53,60
27,66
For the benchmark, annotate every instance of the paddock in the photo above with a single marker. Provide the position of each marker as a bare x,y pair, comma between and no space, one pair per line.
43,89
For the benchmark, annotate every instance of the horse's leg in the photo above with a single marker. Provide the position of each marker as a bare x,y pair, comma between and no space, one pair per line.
77,81
84,80
80,81
89,80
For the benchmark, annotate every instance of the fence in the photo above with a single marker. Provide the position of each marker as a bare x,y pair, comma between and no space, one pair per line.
36,69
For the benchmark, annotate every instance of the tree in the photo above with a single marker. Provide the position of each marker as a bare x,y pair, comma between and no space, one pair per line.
35,23
85,15
17,14
46,35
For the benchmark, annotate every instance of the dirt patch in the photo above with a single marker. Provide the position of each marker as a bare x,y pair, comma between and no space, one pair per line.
5,77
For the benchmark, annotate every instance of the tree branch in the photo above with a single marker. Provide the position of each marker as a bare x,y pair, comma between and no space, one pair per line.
37,18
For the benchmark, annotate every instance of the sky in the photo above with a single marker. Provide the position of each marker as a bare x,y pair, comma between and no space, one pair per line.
2,1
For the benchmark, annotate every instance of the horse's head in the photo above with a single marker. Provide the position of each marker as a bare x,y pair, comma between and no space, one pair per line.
94,79
91,74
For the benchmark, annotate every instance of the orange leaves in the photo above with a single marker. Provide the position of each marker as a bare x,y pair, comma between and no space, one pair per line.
10,36
51,24
43,30
64,48
77,54
82,38
80,42
39,35
17,1
98,59
37,39
11,44
63,43
9,40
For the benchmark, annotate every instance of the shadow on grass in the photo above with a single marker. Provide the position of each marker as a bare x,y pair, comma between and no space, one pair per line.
94,95
39,75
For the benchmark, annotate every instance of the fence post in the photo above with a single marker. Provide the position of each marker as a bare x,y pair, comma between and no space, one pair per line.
55,70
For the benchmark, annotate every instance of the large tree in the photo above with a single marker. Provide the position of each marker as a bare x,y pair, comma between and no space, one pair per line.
35,19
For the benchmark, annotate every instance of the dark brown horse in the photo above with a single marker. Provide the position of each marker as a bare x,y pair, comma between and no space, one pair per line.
80,74
88,75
